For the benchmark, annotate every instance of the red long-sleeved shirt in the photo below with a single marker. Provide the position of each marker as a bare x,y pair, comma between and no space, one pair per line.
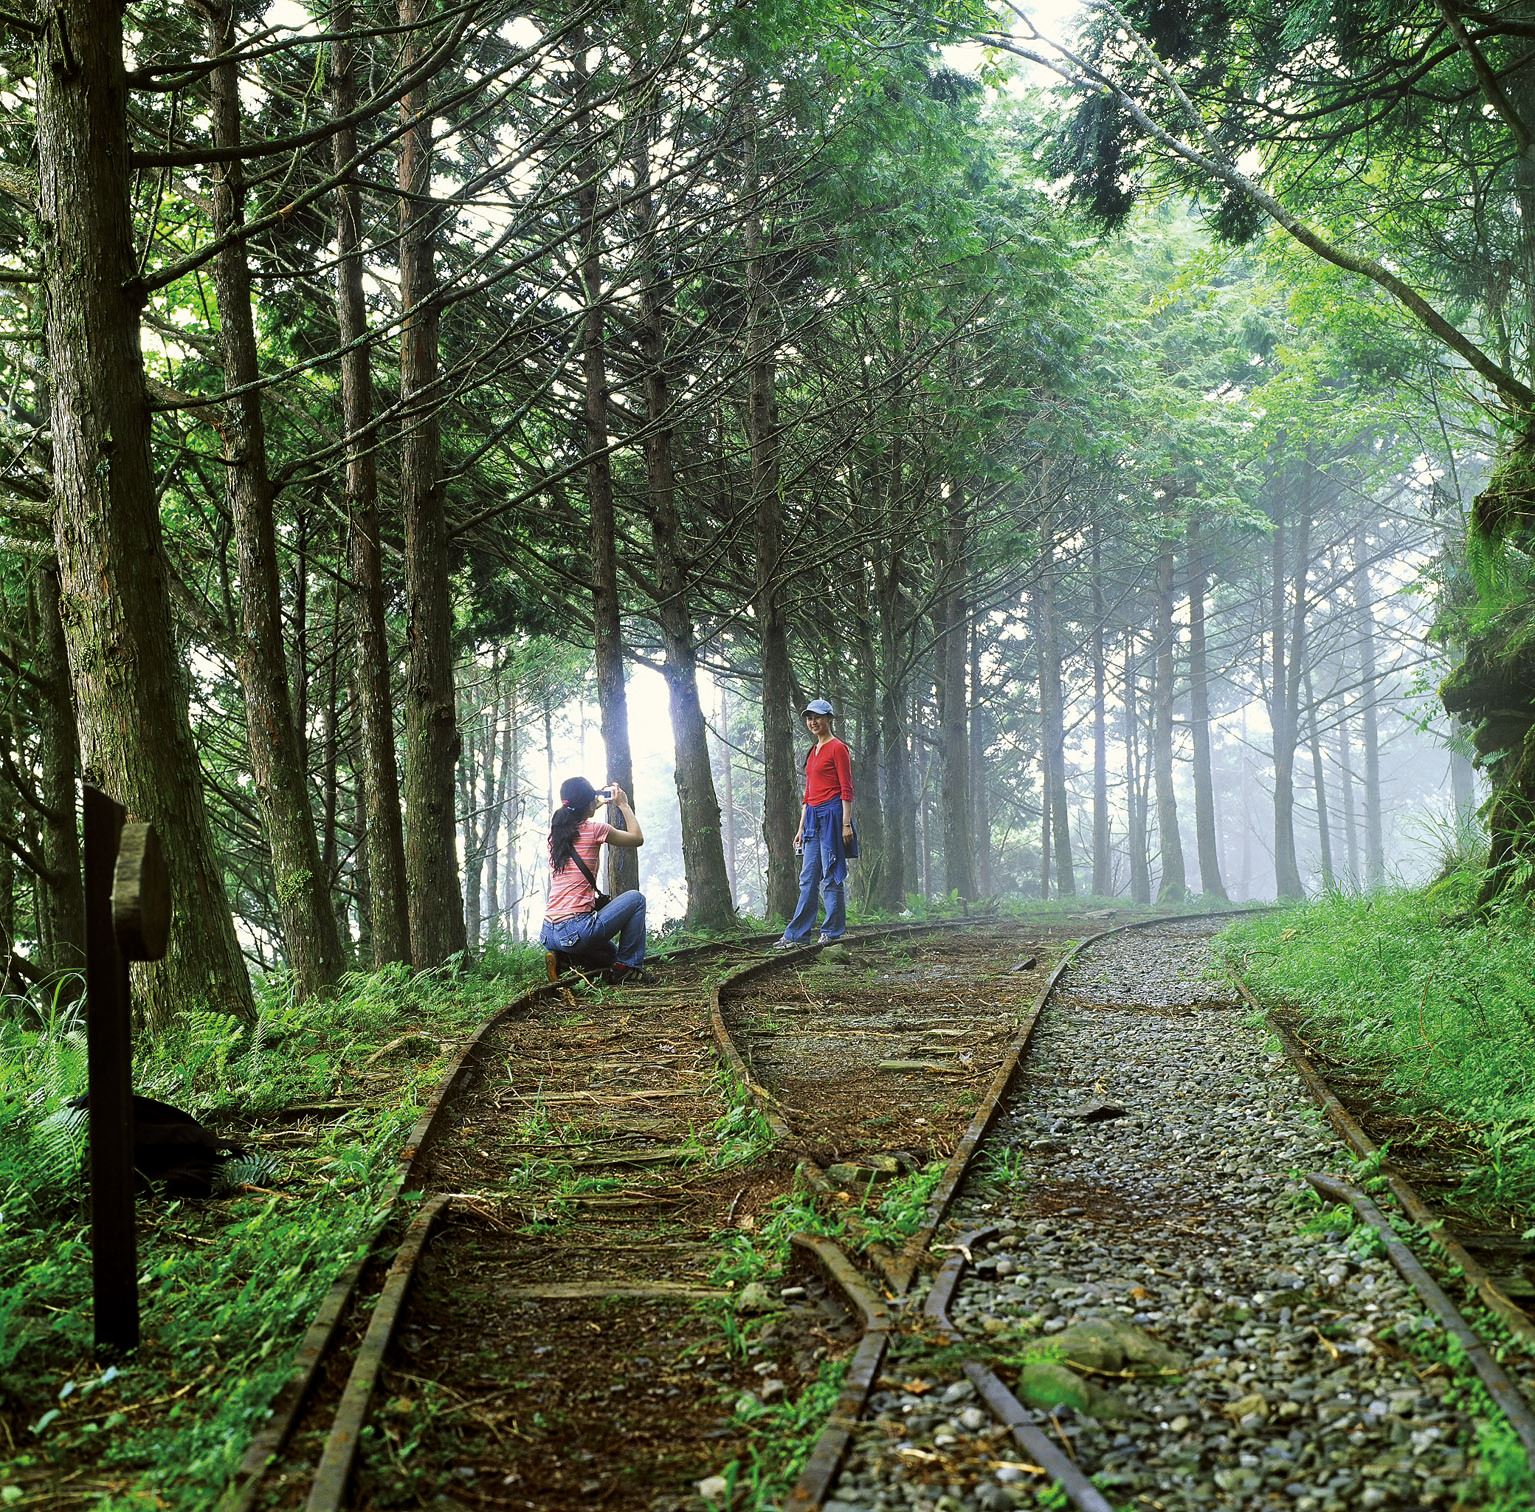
829,773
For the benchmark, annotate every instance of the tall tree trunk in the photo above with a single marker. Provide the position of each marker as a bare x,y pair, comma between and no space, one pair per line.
1174,884
873,827
389,916
431,709
497,796
1103,874
727,772
60,891
312,944
980,792
1343,755
1206,841
1287,869
951,654
471,842
330,773
711,899
1364,610
608,645
1288,689
1052,719
135,740
900,854
361,883
1319,783
1140,866
1046,797
779,795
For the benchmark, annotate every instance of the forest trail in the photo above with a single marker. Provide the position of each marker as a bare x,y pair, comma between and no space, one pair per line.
598,1319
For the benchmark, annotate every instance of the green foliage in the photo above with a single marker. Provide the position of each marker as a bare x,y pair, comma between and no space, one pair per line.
1438,1009
783,1434
227,1286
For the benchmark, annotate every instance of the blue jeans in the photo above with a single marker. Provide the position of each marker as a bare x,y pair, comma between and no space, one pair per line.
588,934
824,870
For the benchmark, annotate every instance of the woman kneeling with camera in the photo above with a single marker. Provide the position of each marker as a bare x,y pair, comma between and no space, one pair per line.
579,921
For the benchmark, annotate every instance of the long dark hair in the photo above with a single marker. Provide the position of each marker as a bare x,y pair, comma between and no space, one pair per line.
576,795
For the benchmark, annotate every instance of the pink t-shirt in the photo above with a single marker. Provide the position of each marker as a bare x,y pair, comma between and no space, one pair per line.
569,891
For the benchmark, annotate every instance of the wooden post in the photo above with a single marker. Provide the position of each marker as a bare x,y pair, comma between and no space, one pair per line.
114,1251
127,918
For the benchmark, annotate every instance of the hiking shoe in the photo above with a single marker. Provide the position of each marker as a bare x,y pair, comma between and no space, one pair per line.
628,976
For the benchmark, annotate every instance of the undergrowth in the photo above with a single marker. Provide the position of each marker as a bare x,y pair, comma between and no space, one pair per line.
227,1286
1433,1004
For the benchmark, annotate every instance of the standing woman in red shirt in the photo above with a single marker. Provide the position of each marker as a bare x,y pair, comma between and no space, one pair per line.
825,831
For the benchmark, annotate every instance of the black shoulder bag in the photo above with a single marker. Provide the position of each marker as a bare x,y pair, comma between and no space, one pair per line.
603,899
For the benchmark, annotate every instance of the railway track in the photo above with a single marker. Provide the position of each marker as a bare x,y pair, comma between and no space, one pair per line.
549,1322
559,1324
1252,1362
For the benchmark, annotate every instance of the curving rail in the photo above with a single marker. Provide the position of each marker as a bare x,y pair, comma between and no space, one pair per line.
825,1461
321,1341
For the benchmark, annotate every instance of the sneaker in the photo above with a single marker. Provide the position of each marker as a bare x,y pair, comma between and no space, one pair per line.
826,939
628,976
786,944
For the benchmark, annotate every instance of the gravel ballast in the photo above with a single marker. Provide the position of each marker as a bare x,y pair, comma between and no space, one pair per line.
1144,1182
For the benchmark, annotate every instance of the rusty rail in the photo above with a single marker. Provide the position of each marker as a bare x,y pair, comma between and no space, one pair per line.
812,1488
1499,1387
1004,1406
244,1488
1348,1128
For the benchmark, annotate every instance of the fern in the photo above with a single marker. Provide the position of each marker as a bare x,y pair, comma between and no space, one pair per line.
256,1169
58,1143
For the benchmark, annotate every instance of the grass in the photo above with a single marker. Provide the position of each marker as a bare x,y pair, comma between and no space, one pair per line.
226,1287
782,1435
1434,1006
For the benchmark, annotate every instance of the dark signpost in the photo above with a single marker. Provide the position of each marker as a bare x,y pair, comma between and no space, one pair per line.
127,918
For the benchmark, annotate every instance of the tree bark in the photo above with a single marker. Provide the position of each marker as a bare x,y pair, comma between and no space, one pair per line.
779,789
873,830
472,819
1319,784
980,792
1052,731
1288,663
1174,884
1374,825
311,941
1345,759
1206,840
900,853
951,654
431,710
135,740
389,914
1140,866
608,647
727,773
711,899
1103,874
60,891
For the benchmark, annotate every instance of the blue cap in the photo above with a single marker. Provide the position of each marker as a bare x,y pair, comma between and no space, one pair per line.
819,706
